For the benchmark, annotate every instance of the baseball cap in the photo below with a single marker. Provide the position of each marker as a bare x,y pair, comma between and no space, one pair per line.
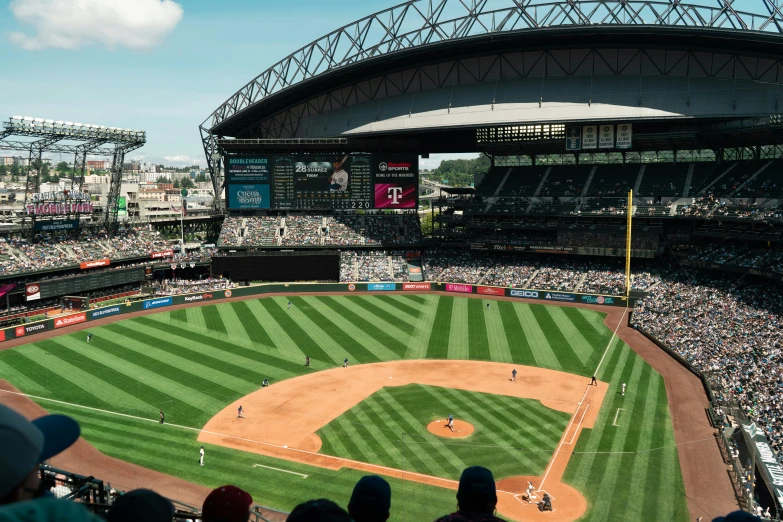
25,444
371,495
141,505
321,510
227,504
476,484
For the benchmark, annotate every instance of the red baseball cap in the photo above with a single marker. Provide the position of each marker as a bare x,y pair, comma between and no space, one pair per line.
227,504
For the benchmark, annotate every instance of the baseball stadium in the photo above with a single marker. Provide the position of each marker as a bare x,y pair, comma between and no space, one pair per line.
589,329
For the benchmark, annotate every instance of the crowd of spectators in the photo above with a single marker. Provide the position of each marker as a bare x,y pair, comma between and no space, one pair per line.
733,332
178,286
303,230
229,233
261,230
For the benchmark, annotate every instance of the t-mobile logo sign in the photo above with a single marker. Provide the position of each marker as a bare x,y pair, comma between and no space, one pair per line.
393,193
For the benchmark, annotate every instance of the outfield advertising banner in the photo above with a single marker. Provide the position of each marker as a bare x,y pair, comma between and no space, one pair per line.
559,296
416,286
381,287
525,294
105,312
158,255
198,297
157,303
490,290
95,264
68,320
598,299
464,289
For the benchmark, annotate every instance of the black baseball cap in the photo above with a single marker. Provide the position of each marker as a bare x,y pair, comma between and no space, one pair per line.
476,485
371,497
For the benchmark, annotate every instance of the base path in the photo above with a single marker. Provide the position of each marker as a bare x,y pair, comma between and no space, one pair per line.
281,420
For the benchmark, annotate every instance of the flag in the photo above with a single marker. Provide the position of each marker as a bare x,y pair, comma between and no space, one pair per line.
183,209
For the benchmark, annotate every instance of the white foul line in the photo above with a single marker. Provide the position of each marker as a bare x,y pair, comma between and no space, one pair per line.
278,469
562,439
614,423
584,412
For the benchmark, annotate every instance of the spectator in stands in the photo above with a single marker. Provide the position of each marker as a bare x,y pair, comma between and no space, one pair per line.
227,504
370,500
141,505
24,445
47,510
476,497
321,510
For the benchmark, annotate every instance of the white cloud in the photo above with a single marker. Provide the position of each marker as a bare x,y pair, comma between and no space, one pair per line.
181,158
434,160
71,24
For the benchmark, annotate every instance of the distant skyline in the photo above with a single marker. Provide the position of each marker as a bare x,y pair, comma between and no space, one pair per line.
154,65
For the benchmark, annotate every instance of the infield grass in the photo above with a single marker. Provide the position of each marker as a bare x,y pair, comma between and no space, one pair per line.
192,362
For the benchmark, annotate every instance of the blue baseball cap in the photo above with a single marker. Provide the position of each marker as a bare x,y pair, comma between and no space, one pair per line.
24,444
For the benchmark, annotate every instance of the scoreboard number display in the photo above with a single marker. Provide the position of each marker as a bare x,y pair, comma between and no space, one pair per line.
322,182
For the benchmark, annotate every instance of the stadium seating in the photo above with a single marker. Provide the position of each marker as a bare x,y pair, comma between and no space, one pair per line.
613,180
664,180
566,181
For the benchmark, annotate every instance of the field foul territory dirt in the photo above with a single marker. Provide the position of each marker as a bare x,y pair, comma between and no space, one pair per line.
281,420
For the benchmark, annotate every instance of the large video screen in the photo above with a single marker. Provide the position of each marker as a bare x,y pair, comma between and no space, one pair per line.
313,182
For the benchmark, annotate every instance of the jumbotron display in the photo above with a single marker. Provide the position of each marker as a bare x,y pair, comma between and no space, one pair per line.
312,182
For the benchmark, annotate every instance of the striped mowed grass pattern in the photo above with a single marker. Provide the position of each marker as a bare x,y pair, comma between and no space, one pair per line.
513,436
192,362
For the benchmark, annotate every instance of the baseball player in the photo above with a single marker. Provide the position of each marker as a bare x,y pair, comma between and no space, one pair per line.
265,383
487,306
289,305
594,382
162,417
89,337
513,375
307,360
623,388
345,363
201,456
530,495
240,412
338,181
451,422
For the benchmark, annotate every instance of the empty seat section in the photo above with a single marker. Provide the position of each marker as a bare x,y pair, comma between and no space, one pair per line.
664,179
613,180
566,181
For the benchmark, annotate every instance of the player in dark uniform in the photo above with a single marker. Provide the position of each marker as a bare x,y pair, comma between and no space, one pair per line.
345,363
594,382
89,337
307,360
162,417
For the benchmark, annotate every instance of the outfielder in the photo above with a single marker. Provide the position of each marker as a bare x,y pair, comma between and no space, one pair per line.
201,456
623,388
162,417
289,305
487,306
89,337
345,363
307,360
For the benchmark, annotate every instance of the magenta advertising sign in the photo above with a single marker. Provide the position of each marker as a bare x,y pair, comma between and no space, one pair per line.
465,289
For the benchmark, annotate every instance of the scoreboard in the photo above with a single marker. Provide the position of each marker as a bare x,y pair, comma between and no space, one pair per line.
85,283
322,182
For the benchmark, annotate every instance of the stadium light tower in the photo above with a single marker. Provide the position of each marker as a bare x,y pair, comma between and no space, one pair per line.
48,136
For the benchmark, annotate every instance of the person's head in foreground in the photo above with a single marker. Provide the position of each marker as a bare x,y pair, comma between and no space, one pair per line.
321,510
370,500
476,496
227,504
141,505
24,445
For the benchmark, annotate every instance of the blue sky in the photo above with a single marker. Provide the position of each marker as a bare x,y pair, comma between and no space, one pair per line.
166,89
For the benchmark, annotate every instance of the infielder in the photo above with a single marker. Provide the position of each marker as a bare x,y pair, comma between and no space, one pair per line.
240,412
623,388
201,456
513,375
451,422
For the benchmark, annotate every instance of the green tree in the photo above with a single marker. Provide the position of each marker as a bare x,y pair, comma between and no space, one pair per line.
62,168
201,178
54,178
162,179
3,171
186,183
426,223
176,184
461,172
15,172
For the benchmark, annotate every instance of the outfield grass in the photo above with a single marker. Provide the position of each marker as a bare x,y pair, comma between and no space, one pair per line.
513,436
192,362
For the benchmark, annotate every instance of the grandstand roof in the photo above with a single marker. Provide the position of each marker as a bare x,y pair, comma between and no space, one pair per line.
420,31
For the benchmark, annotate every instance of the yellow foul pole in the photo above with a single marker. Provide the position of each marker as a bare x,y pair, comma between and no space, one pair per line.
628,245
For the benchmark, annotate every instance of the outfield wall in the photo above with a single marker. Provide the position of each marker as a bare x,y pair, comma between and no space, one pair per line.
29,329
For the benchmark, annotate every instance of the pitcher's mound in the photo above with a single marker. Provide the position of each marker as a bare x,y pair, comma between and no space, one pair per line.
441,429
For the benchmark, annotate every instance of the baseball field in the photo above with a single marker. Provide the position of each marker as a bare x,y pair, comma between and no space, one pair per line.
412,361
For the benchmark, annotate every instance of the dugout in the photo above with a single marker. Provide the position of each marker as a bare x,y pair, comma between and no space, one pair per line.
278,266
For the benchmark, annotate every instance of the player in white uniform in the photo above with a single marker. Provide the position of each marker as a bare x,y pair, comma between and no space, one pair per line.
623,388
338,181
201,456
